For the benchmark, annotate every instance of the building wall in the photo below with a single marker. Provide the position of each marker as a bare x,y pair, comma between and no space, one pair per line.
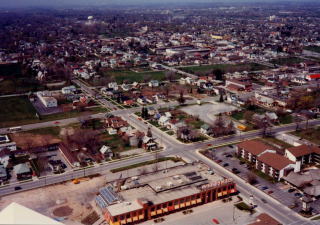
153,211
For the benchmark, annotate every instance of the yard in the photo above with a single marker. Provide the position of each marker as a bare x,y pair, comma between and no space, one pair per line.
115,142
311,134
271,141
225,67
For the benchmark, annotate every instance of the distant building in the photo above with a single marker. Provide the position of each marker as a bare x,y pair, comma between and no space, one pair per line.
47,100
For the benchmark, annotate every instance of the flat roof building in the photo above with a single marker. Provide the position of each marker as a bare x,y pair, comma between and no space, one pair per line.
156,194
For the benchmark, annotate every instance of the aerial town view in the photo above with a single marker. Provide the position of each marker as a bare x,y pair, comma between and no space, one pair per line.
169,112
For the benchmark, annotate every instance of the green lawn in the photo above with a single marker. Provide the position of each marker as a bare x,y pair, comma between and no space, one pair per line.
16,109
131,76
19,85
225,67
311,134
313,48
145,163
115,142
287,61
238,115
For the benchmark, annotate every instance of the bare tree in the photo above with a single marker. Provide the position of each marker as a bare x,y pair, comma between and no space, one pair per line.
252,178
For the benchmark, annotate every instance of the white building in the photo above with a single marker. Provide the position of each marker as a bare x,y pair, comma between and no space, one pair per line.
47,100
68,90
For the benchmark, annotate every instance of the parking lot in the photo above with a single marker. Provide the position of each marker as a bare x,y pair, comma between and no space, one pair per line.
284,193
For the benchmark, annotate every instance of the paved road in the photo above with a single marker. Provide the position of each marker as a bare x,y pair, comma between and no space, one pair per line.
171,147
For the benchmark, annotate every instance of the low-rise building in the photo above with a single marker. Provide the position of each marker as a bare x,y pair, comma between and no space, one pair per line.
152,195
47,100
6,143
303,154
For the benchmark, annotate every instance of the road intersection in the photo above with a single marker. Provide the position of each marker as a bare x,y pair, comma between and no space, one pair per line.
171,147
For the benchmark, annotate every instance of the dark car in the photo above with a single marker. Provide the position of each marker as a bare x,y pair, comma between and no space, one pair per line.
291,190
225,164
219,161
17,188
298,194
264,188
263,200
229,156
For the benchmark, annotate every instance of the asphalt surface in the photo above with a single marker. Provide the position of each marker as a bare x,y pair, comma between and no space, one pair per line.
171,147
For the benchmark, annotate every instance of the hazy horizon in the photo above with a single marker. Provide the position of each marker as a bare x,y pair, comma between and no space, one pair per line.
62,3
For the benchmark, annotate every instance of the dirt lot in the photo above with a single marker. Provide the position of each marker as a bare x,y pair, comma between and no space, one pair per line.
68,200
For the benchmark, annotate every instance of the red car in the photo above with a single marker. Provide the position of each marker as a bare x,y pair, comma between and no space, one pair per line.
215,221
270,192
209,145
56,122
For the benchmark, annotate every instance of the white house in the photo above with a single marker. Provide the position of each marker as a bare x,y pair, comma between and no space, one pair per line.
154,83
68,90
106,152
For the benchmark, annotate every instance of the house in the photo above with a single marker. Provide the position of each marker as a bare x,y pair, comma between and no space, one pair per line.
6,143
5,157
251,149
163,121
142,100
129,102
205,129
112,131
149,143
3,173
22,171
106,152
68,90
126,87
116,122
113,85
154,83
275,165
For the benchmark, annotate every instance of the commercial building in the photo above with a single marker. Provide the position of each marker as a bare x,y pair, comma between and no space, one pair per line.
157,194
47,100
304,154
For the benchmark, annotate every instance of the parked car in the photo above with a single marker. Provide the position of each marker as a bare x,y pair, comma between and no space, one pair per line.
298,195
218,161
291,190
17,188
225,164
264,188
215,221
263,200
270,192
241,162
229,156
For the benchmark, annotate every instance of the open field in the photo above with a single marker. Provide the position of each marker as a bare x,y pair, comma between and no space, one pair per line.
225,67
115,142
131,76
24,115
16,109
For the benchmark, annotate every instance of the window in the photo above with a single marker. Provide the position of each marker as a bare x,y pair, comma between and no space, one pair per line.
193,197
198,195
158,206
176,202
134,213
182,200
121,217
115,219
128,216
153,208
170,204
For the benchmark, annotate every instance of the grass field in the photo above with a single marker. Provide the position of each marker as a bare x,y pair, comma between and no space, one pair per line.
54,131
287,61
313,48
115,142
225,67
16,109
19,111
131,76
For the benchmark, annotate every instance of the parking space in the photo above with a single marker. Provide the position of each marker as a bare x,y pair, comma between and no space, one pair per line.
282,192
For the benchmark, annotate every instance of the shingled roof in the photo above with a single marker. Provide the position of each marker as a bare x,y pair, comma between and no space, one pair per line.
254,147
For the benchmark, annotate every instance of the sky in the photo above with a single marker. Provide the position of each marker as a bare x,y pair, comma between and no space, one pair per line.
31,3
